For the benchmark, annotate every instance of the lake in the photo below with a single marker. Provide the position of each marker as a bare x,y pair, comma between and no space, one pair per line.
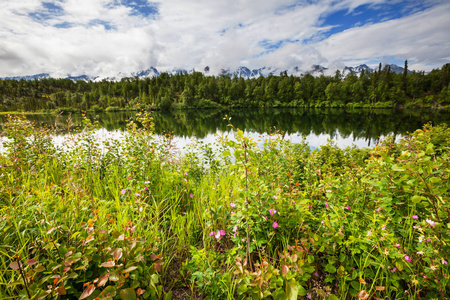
360,127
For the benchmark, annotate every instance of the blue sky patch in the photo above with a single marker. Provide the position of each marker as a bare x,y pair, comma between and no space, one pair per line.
142,7
49,11
366,14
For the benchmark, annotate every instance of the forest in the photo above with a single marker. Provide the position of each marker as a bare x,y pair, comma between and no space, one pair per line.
381,88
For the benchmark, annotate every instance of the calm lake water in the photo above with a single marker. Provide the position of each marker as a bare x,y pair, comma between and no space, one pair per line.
360,127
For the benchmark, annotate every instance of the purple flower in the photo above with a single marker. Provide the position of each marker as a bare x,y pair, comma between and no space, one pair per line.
146,188
272,211
407,258
123,192
275,225
232,204
235,230
432,223
211,233
415,217
379,208
444,262
191,195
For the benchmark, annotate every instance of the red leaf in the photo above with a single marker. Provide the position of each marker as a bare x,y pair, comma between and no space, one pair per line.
61,290
87,292
103,280
15,265
157,266
284,270
32,262
109,264
140,291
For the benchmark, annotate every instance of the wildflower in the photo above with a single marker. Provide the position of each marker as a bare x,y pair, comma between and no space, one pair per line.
232,204
378,209
222,232
348,207
326,204
137,194
129,178
185,174
415,227
123,192
146,188
235,230
191,195
232,212
432,223
386,252
146,182
444,262
275,225
384,227
407,258
309,206
425,276
322,222
211,233
272,211
420,253
217,236
398,245
433,268
328,191
415,217
265,217
275,197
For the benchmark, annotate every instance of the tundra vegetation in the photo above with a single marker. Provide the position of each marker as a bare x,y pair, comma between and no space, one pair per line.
232,220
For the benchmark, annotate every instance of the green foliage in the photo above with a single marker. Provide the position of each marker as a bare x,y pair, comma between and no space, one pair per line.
240,219
377,89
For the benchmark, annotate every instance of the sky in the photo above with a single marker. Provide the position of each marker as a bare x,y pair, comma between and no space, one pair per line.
109,38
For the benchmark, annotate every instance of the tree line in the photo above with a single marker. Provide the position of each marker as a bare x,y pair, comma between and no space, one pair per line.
379,88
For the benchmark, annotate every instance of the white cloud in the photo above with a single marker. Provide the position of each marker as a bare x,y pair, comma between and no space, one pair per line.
99,37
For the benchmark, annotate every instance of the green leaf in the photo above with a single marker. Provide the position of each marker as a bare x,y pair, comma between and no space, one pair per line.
301,290
128,294
417,199
292,289
168,296
226,153
241,289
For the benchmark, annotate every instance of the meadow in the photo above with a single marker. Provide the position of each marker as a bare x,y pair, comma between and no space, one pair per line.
130,220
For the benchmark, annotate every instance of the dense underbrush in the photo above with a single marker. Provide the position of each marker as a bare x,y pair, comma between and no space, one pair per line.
127,219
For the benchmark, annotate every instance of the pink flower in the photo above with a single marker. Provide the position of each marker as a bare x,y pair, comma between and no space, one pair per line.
217,236
326,204
129,178
265,217
185,174
348,207
232,204
211,233
272,211
407,258
415,217
146,188
275,225
191,195
137,194
235,230
323,222
444,262
146,182
432,223
379,208
123,192
222,232
275,197
398,245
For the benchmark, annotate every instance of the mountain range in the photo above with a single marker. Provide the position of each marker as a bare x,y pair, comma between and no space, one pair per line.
315,70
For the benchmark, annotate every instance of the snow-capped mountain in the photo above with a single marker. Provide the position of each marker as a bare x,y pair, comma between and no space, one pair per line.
357,69
244,72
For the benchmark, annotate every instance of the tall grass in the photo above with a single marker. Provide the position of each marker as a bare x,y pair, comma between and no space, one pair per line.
127,219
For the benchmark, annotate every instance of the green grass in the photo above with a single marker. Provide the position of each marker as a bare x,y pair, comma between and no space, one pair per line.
134,221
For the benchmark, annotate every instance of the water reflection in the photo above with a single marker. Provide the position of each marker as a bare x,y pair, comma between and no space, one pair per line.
360,127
